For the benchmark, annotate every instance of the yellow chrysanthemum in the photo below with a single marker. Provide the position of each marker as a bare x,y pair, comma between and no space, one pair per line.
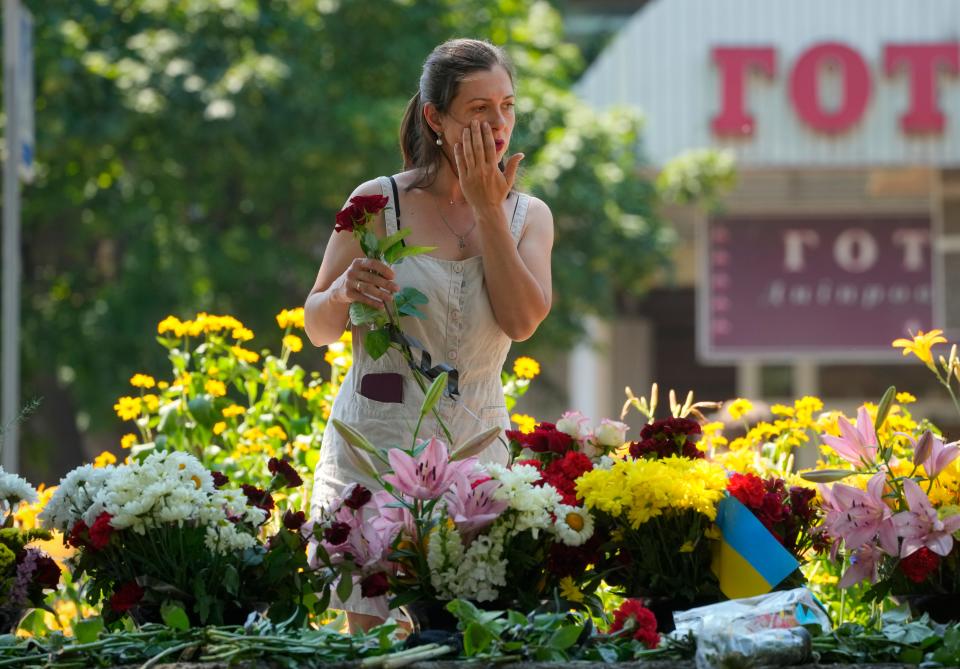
233,410
569,590
243,334
104,459
128,408
525,367
312,392
289,317
162,385
245,355
142,381
151,402
219,427
171,324
921,344
128,440
215,388
293,342
183,380
525,423
904,397
739,408
276,432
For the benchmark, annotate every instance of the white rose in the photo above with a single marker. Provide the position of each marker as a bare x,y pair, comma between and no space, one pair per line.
575,424
611,433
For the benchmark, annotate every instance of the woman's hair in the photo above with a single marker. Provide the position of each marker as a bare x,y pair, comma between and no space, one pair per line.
443,71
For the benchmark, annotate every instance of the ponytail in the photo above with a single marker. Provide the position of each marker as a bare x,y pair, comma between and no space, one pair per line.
411,139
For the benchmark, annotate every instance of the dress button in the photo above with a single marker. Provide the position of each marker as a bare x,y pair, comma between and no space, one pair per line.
456,314
452,354
458,267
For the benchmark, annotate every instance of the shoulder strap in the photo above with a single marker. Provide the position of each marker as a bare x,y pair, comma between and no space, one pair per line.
390,213
519,216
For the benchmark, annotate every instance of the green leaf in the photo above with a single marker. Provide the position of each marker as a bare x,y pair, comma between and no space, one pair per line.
434,392
376,343
826,475
390,241
201,408
884,407
345,586
476,639
364,314
231,579
398,253
174,616
565,637
88,630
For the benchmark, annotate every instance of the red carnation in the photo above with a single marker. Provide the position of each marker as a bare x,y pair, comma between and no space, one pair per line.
257,497
101,531
78,534
356,496
634,616
292,521
748,488
562,474
545,438
128,596
800,498
374,585
920,564
670,436
337,533
47,574
285,469
219,479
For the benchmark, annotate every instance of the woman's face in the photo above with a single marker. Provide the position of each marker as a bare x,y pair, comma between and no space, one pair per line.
484,95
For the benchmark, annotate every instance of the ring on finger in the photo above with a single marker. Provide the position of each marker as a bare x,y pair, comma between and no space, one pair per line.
358,286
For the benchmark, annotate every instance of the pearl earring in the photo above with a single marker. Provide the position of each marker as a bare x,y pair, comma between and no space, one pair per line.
439,140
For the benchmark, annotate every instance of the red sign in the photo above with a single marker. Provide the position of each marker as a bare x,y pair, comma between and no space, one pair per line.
840,288
920,63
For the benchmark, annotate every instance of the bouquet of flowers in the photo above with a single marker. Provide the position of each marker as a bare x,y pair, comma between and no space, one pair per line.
165,538
25,571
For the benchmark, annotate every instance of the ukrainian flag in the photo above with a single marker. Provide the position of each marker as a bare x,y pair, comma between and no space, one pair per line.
750,560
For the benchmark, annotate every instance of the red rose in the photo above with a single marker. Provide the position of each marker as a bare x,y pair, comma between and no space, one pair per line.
47,574
348,218
633,615
128,596
920,564
257,497
101,531
748,488
356,496
374,585
337,533
370,204
285,469
292,521
219,479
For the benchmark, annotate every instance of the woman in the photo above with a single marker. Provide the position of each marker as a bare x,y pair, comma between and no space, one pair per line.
487,279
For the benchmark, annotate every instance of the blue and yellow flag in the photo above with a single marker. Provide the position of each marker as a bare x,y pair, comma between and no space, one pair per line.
750,560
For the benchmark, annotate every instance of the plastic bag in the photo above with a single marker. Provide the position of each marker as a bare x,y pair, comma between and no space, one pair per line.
763,630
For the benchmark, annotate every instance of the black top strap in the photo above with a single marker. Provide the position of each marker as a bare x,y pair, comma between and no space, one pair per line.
396,205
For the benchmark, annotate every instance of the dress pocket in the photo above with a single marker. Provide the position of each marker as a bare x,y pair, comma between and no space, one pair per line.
494,415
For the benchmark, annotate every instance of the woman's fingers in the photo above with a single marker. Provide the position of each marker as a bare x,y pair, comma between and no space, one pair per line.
489,145
476,138
468,153
370,281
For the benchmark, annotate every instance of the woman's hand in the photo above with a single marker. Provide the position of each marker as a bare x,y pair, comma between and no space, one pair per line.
482,182
366,280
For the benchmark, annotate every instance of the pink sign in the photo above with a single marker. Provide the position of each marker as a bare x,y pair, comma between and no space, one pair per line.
834,288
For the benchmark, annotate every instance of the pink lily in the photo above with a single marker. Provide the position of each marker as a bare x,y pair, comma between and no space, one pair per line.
933,454
392,516
428,475
857,445
472,507
921,526
864,564
857,516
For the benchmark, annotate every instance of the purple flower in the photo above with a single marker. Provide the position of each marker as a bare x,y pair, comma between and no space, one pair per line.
858,445
864,564
921,526
933,454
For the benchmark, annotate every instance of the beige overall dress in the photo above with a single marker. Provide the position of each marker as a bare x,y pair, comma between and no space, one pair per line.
460,330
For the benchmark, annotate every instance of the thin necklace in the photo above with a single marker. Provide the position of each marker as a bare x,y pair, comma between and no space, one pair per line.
461,239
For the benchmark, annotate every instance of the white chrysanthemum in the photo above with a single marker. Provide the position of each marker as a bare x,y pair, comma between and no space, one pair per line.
573,525
73,496
15,489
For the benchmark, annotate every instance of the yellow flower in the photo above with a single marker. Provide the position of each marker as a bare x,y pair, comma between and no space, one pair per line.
293,342
215,388
234,410
276,432
104,459
905,398
171,324
346,337
525,423
687,547
151,402
569,590
142,381
219,427
739,408
525,367
162,385
921,344
246,355
243,334
289,317
128,440
128,408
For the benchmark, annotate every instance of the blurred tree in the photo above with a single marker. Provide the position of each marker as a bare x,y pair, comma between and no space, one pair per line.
192,154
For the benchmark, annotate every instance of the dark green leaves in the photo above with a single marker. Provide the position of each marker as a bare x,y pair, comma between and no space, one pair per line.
407,301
